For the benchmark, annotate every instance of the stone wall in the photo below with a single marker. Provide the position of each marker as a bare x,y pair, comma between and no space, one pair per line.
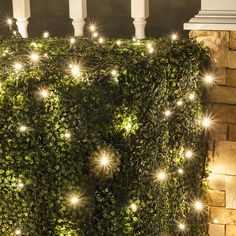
221,103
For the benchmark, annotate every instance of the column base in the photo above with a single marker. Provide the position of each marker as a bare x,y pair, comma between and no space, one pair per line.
213,20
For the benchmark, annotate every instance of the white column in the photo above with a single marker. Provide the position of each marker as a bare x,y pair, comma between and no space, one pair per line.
139,12
21,12
78,12
214,15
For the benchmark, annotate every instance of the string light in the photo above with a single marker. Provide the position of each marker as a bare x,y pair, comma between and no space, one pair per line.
167,113
189,154
101,40
9,21
192,96
67,135
215,221
181,226
207,122
34,57
23,128
18,232
134,39
75,70
160,176
44,93
21,185
118,42
72,40
198,206
149,45
92,28
17,66
104,161
209,79
46,34
128,127
150,50
95,34
133,207
180,103
74,200
174,36
113,72
180,171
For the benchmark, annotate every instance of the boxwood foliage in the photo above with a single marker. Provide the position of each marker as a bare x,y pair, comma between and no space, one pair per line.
50,143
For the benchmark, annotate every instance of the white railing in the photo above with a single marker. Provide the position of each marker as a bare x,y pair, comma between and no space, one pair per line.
78,14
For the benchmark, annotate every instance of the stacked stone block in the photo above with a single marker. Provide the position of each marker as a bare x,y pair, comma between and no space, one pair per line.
221,103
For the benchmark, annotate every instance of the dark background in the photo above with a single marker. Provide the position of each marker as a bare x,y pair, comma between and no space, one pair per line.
113,17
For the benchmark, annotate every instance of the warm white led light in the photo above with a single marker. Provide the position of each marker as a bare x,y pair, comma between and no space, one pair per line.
206,122
95,34
114,72
150,50
101,40
67,135
180,103
72,40
44,93
133,207
21,185
181,226
215,221
118,42
23,128
192,96
9,21
74,200
198,206
209,79
18,232
34,57
92,28
75,70
46,35
180,171
160,176
174,36
167,113
17,66
189,154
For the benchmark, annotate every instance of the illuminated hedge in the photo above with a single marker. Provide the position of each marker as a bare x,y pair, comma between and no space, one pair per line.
100,138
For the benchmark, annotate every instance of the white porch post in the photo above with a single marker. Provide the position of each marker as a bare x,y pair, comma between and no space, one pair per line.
78,12
139,12
21,12
214,15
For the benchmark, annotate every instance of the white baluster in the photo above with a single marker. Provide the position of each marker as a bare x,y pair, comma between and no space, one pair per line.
21,12
139,12
78,12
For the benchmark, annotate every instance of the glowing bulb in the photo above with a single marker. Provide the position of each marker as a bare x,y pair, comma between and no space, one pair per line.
180,171
95,34
150,50
167,113
34,57
174,36
209,79
75,70
17,66
149,45
46,35
206,122
180,103
118,42
14,32
22,128
181,226
104,161
44,93
9,21
161,176
134,207
101,40
72,40
21,185
67,135
192,96
92,28
189,154
74,200
134,39
114,72
215,221
198,206
18,232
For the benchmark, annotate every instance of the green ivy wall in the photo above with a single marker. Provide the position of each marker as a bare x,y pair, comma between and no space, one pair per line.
54,127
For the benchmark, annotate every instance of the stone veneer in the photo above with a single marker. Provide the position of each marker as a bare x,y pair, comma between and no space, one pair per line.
221,102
